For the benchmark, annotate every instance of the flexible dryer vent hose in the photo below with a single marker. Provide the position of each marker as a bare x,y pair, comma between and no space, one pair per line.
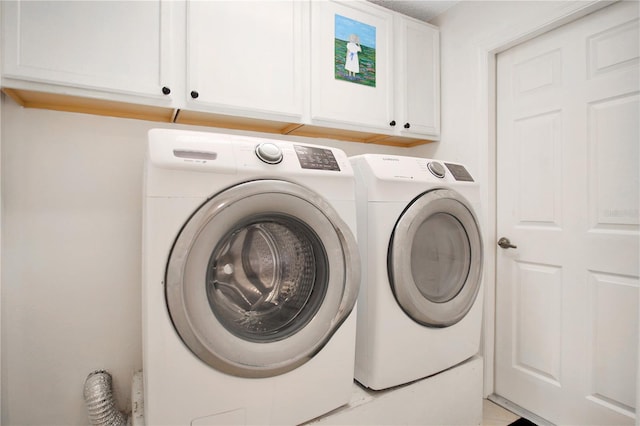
98,396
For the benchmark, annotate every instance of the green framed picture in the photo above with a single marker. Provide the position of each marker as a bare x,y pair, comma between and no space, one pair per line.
355,51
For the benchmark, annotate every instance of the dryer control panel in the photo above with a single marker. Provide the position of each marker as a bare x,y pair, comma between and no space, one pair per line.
437,169
414,169
459,172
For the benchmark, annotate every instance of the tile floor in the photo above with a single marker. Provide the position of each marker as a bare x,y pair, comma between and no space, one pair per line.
494,415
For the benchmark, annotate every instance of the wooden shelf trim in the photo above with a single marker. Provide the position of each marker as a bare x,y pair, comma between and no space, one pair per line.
69,103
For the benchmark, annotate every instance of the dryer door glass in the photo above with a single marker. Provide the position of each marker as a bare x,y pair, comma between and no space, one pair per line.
435,258
261,277
440,257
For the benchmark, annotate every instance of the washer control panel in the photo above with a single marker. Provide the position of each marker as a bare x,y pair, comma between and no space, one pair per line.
269,152
316,158
230,154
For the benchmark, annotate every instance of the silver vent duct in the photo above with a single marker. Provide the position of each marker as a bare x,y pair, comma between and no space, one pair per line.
98,396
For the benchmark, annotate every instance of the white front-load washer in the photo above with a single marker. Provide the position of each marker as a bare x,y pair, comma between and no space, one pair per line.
420,301
250,278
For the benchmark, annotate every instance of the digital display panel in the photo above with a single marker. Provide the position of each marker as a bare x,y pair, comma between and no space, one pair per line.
459,172
316,158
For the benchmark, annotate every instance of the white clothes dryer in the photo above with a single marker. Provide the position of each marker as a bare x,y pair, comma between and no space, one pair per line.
250,278
420,301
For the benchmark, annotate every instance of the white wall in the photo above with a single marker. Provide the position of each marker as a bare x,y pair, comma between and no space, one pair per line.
71,254
71,241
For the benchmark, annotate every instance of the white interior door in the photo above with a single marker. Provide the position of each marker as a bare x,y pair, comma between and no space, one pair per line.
567,197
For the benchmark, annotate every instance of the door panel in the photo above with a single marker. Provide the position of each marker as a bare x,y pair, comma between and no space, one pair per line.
567,187
235,47
130,54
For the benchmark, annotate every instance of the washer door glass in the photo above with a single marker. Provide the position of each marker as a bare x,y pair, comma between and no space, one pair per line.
267,277
435,258
260,278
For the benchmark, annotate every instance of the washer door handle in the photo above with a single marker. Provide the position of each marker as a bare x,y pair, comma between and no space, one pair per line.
505,243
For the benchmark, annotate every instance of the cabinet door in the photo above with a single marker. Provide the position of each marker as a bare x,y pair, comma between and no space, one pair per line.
351,70
112,46
246,58
417,78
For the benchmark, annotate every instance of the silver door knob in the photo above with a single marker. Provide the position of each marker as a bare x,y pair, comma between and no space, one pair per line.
505,243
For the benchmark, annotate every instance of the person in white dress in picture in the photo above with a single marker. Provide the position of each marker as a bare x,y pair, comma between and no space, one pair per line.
352,64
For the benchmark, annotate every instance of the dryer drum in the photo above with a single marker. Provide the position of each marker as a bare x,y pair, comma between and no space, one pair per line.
435,258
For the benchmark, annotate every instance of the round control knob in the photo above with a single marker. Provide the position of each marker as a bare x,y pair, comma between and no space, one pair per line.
269,152
436,169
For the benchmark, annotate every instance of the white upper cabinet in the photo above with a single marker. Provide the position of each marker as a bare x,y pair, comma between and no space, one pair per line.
348,70
417,78
374,70
351,80
111,49
246,58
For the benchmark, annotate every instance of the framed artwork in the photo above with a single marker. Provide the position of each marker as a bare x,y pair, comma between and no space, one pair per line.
355,51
